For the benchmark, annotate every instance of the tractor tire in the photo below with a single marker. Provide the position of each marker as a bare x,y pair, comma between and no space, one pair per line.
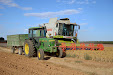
29,48
13,49
40,54
59,52
20,51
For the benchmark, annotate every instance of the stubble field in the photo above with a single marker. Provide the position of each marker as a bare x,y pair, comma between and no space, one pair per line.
78,62
102,56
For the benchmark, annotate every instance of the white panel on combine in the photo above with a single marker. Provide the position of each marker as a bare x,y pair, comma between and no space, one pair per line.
51,27
53,21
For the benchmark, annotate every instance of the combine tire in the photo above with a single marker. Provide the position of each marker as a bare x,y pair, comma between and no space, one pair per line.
20,51
29,48
13,50
59,52
40,54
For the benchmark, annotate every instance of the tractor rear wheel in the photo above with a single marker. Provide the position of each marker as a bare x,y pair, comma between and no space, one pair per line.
29,48
59,52
40,54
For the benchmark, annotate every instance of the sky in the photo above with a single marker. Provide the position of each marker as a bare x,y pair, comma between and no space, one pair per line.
94,16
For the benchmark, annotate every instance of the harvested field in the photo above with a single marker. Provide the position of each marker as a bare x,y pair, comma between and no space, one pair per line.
3,44
104,56
14,64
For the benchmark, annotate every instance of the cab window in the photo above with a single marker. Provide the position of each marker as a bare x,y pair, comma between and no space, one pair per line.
30,33
36,33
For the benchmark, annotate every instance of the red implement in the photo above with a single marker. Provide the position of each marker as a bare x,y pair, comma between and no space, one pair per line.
82,46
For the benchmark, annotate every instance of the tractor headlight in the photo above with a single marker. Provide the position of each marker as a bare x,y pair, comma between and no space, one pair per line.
49,45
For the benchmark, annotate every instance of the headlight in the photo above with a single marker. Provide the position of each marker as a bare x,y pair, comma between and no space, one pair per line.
49,45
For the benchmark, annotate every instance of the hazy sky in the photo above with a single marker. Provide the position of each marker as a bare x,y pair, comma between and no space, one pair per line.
94,16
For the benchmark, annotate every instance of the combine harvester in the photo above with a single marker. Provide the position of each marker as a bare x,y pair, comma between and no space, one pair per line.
66,34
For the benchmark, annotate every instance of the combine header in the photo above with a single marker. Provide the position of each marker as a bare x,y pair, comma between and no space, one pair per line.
82,46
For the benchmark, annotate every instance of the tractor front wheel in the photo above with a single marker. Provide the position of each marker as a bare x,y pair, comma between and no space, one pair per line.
40,54
59,52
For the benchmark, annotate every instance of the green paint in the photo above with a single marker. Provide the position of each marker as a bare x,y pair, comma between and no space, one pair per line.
16,40
62,41
36,28
58,36
48,44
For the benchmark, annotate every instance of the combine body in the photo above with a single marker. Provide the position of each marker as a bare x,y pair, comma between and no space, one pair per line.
62,29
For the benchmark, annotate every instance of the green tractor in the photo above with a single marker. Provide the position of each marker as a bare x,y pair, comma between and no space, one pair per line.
37,44
34,43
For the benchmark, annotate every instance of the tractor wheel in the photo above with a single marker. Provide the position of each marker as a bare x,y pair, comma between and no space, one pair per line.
40,54
20,51
13,49
59,52
29,48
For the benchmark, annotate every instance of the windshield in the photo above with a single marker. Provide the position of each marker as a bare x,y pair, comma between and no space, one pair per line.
37,33
66,30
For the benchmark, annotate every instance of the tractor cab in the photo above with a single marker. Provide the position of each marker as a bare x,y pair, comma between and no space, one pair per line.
35,32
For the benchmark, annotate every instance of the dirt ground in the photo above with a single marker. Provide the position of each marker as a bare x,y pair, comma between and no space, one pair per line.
14,64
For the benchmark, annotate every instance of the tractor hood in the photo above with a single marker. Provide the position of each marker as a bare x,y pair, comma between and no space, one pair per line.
47,40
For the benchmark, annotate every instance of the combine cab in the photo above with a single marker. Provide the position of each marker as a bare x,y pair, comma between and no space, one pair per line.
62,30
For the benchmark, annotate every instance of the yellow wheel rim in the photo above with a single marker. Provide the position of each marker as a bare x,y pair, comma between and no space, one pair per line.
39,54
26,48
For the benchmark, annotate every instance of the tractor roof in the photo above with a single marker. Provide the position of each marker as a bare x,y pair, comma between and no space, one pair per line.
36,28
72,24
